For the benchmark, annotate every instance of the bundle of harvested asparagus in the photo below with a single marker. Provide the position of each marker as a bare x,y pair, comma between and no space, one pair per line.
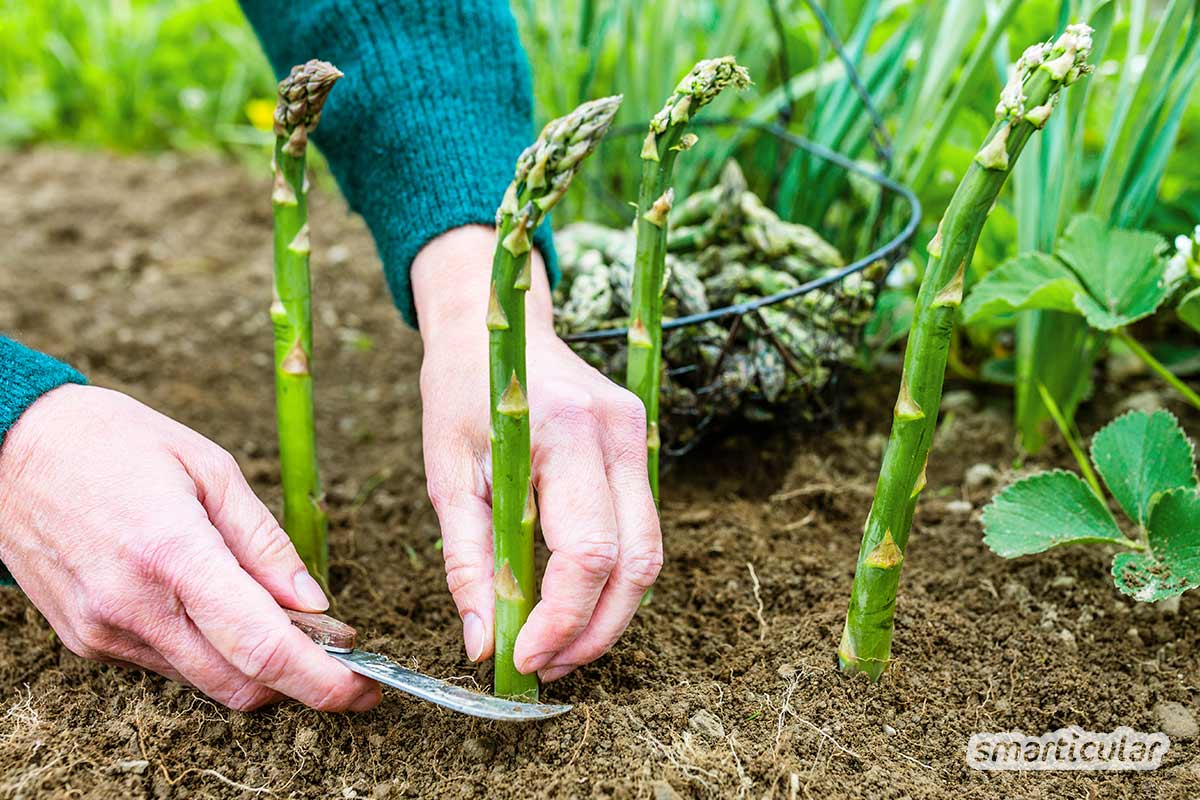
725,247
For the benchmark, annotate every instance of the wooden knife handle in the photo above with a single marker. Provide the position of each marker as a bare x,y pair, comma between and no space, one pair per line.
332,634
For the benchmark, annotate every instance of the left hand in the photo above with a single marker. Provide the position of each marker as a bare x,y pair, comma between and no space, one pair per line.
589,466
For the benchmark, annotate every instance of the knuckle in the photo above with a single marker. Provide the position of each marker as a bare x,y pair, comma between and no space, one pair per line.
643,565
566,626
105,609
595,555
628,411
336,698
463,571
247,697
269,542
222,461
156,558
265,659
91,641
440,492
581,416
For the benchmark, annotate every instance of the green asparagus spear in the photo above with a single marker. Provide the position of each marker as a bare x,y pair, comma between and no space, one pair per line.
664,141
543,173
1025,103
301,96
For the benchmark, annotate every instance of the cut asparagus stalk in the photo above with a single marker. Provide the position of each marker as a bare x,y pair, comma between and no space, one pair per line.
543,173
665,139
1026,102
301,97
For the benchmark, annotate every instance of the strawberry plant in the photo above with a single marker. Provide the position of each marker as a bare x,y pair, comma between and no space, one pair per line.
1111,278
1148,465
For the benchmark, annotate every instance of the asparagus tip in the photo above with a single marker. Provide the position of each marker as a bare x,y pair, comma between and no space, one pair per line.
301,97
545,168
698,88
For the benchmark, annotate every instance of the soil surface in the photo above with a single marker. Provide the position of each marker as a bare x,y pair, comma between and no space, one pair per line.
150,274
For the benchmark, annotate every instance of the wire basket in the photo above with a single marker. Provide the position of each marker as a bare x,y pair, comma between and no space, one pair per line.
801,334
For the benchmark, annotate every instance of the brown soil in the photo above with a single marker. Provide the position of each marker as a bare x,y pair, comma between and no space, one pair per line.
150,275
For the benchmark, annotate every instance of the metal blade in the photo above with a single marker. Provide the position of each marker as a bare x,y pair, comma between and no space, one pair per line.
444,694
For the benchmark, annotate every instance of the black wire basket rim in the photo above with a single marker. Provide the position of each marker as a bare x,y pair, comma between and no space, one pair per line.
887,251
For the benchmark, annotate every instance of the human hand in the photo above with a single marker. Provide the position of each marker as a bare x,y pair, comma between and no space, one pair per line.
141,543
589,467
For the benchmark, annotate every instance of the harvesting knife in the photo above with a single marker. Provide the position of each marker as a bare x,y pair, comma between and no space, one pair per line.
338,639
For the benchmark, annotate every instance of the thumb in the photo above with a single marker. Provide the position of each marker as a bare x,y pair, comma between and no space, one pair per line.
466,523
251,533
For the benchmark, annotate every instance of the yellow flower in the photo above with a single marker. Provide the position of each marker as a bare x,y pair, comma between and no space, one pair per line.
261,113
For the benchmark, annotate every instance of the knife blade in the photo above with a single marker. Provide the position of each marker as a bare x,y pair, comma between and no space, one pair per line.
338,640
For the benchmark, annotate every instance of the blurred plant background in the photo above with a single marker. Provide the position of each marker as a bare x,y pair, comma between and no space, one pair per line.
138,75
134,75
131,74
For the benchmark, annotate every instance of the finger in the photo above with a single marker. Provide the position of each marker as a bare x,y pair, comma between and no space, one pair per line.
458,492
640,557
250,531
581,532
136,654
245,625
185,649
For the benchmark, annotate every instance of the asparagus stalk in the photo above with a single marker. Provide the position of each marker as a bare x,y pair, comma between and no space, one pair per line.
301,96
543,173
665,139
1025,103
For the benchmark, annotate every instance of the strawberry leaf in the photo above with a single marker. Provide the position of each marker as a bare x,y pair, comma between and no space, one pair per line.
1111,277
1120,270
1030,280
1140,455
1172,564
1044,511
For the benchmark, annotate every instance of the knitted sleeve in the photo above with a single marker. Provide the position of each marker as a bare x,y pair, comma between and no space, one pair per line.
423,131
25,375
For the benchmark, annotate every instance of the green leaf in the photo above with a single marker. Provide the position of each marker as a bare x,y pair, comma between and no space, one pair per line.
1140,455
1189,309
1121,271
1044,511
1172,564
1032,280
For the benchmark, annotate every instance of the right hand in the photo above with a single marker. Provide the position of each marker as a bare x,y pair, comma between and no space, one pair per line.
141,543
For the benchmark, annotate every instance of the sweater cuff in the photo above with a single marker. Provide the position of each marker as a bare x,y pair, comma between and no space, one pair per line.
25,375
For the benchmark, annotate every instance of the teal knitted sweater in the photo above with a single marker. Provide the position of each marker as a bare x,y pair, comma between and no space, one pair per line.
422,133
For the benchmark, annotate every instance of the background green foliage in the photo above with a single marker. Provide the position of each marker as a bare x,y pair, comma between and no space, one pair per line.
128,74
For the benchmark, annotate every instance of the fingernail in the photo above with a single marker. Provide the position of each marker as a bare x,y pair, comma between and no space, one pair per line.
537,662
308,591
473,635
554,673
366,701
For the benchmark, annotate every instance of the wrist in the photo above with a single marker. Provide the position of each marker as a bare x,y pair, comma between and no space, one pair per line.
451,282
